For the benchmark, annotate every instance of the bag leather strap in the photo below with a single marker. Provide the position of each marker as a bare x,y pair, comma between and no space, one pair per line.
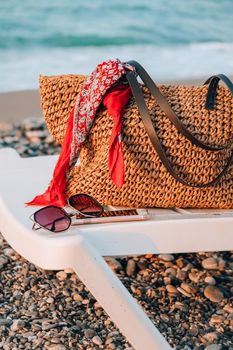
143,110
212,90
164,105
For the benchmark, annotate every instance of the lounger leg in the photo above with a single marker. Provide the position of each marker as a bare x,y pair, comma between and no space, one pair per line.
124,311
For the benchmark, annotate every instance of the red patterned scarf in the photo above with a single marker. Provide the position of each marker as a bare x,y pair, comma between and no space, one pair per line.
97,88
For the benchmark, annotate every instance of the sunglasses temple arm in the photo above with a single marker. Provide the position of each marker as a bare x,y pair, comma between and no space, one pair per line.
36,226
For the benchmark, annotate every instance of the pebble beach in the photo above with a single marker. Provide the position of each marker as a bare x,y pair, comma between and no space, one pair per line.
187,296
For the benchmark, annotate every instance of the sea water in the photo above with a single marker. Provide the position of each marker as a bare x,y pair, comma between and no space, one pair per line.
173,39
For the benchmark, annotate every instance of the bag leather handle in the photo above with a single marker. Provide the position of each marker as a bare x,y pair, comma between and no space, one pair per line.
212,90
143,110
164,105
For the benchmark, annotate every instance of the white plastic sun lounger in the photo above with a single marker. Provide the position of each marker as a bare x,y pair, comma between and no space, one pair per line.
83,247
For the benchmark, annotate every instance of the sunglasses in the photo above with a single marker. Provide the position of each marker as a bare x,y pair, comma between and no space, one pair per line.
56,219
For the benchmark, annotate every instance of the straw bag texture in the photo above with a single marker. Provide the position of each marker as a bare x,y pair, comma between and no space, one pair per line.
205,111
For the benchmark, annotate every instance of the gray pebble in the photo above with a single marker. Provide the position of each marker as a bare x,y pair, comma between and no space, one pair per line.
217,319
5,322
166,257
56,347
172,289
49,324
9,252
50,300
61,275
221,264
228,308
188,288
142,264
213,293
55,340
89,333
213,347
180,306
131,267
165,317
210,280
77,297
109,340
193,331
210,264
195,276
181,275
182,291
211,337
114,264
17,325
167,280
171,271
97,340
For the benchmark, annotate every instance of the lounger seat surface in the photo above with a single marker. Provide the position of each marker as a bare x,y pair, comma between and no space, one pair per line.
167,231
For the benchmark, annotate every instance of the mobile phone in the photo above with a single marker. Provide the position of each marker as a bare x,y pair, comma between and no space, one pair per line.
115,215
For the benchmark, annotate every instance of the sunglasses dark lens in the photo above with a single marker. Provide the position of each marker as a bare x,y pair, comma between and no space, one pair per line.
86,205
53,219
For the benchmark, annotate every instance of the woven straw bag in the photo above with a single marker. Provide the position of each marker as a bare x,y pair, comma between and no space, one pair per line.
169,161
